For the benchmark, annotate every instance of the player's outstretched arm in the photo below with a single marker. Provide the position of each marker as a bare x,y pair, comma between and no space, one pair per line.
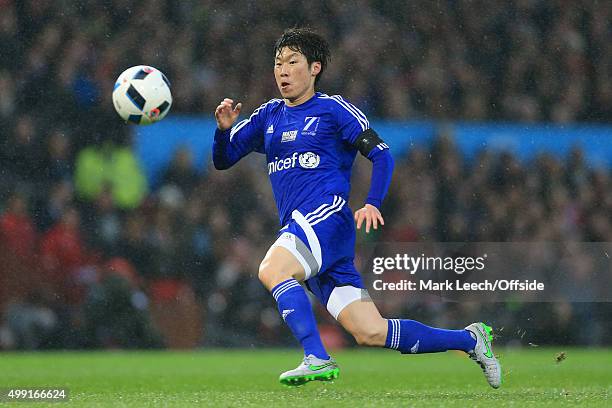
231,143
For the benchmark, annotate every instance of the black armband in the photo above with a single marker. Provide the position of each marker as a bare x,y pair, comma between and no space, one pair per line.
367,141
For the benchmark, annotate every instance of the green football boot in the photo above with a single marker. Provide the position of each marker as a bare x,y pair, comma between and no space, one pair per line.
311,369
483,353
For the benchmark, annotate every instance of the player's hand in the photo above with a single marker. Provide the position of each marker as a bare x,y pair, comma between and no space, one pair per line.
371,215
225,115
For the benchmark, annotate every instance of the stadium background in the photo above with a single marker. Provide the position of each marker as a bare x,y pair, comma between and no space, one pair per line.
99,251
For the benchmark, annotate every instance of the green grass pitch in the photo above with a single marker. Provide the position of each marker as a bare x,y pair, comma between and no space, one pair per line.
369,378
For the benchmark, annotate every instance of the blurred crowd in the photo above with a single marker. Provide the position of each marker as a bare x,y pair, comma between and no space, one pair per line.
527,60
91,255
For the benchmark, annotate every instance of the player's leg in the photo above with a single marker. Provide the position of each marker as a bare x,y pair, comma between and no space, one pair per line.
362,319
280,272
316,238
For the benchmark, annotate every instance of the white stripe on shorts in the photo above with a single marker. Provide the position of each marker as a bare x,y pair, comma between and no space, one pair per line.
313,241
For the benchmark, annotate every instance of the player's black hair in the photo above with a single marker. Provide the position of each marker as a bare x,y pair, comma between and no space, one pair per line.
305,41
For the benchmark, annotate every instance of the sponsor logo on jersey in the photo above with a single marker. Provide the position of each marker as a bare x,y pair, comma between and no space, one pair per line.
311,124
289,136
282,164
308,160
270,129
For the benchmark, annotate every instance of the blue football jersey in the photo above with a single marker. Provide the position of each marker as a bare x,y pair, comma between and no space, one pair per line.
309,148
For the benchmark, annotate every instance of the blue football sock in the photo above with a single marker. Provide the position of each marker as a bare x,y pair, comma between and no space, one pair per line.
409,336
295,308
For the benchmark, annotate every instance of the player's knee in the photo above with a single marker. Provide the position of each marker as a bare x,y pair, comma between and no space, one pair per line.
271,276
264,272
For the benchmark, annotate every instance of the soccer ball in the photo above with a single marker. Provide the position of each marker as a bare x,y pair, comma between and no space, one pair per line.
142,95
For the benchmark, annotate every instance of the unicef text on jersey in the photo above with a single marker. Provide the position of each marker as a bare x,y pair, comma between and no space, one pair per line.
308,160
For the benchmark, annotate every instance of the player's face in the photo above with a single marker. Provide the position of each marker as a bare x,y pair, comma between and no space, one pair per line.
294,77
